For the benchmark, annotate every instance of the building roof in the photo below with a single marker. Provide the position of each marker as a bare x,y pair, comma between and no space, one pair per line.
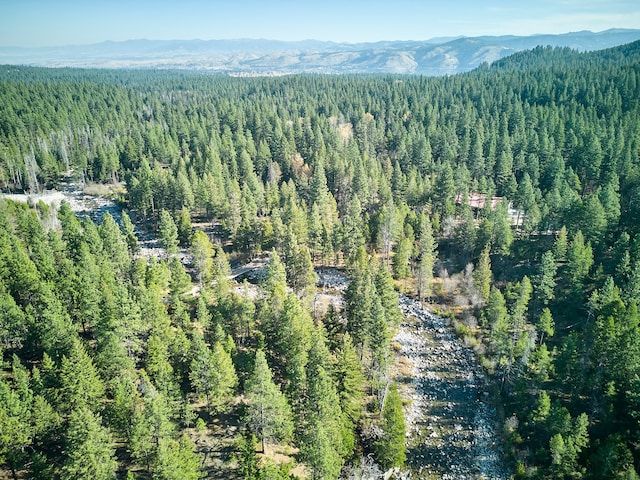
479,200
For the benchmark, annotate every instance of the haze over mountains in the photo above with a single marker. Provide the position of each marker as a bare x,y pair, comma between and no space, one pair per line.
438,56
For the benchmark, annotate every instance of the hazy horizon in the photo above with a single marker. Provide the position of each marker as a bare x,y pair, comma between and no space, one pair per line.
258,39
41,23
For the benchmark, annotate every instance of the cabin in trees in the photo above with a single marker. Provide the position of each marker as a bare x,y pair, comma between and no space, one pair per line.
478,201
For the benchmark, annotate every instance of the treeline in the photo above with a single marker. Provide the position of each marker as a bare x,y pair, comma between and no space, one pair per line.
378,173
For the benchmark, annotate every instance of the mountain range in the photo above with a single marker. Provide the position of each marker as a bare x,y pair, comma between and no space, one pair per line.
438,56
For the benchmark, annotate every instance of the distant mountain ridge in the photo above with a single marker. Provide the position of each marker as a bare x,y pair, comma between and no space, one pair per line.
439,56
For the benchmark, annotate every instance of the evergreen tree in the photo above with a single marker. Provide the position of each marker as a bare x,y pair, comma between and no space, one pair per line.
351,234
202,253
129,234
114,243
299,267
80,384
212,373
389,230
151,422
482,274
326,438
268,413
444,192
560,245
385,291
246,456
275,283
546,325
358,298
390,449
401,257
545,281
502,234
350,380
380,337
16,432
177,459
466,234
168,232
184,228
89,448
497,317
221,271
579,260
427,253
291,343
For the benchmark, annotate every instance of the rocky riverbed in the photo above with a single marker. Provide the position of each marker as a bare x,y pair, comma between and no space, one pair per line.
450,427
94,202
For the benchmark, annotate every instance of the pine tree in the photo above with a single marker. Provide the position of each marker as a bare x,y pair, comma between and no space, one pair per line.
444,191
466,234
16,431
358,298
115,245
579,260
389,448
379,337
129,234
351,234
168,232
350,380
184,228
176,459
320,454
180,279
268,413
246,456
89,448
545,281
212,373
298,265
80,384
546,325
221,272
497,317
202,253
275,283
560,245
427,252
326,437
502,234
151,422
401,257
385,291
482,274
522,334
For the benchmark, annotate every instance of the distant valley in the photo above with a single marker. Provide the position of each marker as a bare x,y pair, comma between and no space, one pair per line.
443,56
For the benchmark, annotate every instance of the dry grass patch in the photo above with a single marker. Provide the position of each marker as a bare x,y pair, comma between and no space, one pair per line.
104,190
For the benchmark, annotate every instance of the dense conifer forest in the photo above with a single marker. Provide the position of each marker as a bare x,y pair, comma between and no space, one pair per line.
517,183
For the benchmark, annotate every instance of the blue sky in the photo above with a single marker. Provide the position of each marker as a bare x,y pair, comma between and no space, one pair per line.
64,22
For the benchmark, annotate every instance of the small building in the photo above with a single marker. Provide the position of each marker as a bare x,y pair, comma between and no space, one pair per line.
478,201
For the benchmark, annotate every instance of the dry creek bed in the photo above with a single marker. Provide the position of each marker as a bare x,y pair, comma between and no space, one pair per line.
450,428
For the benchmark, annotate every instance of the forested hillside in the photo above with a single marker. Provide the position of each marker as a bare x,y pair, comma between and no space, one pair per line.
507,197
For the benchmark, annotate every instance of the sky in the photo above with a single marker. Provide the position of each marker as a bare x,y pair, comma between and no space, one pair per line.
29,23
